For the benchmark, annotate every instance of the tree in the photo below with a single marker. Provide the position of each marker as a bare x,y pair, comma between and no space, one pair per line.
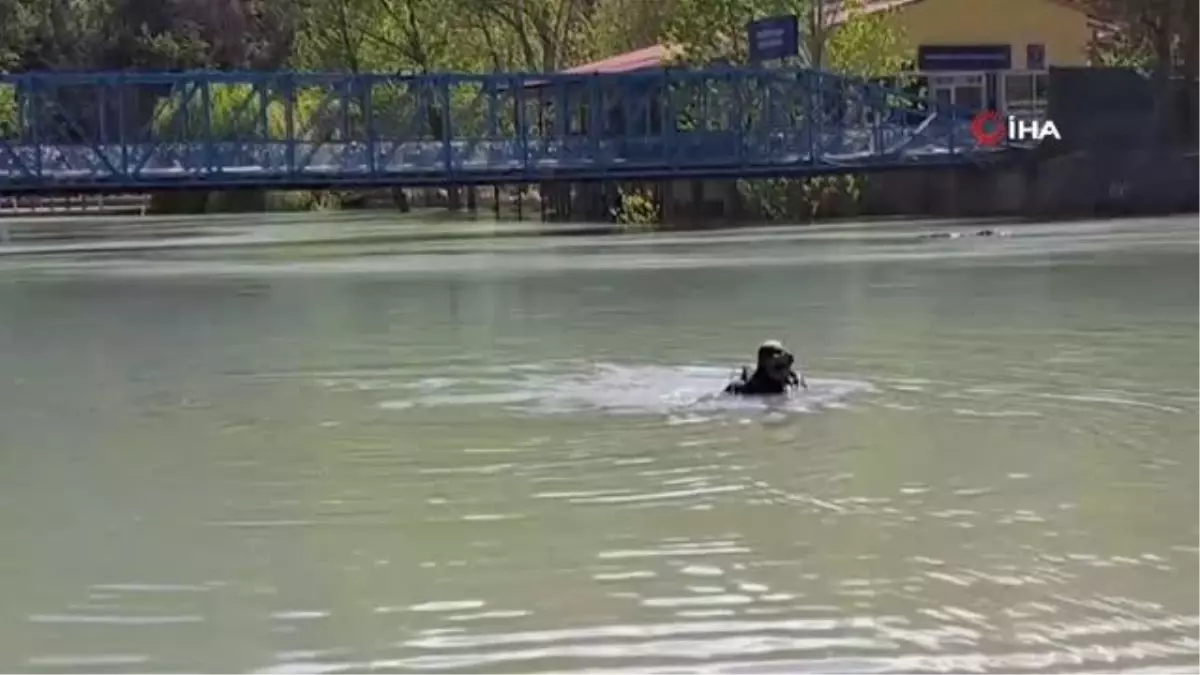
619,26
251,34
865,44
549,35
850,41
1155,35
332,35
392,36
715,30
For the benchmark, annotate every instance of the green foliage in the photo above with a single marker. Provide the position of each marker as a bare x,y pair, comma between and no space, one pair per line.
236,110
637,210
1154,36
831,195
863,45
404,36
548,34
415,36
1117,51
1128,48
400,36
320,201
712,30
804,199
619,26
9,115
866,44
773,199
17,20
1160,38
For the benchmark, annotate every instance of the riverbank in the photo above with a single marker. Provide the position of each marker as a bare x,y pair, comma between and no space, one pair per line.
27,206
1063,188
1030,187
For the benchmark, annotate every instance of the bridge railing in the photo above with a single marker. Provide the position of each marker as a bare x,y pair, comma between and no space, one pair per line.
196,128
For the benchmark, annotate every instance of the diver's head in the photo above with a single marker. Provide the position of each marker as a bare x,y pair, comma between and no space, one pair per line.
774,360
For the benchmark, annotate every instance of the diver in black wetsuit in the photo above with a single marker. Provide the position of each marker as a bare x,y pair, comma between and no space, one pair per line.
773,373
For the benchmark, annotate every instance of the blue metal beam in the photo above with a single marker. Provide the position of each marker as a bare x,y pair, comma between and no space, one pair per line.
276,130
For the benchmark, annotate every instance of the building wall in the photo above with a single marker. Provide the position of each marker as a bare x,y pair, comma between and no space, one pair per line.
1064,31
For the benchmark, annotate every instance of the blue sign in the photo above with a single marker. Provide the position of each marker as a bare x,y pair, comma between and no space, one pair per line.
933,58
777,37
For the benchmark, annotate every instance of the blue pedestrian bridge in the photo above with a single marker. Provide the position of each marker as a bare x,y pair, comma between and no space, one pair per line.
120,132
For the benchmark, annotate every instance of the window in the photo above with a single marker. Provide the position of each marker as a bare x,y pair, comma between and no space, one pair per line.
1019,88
1041,85
969,96
1025,92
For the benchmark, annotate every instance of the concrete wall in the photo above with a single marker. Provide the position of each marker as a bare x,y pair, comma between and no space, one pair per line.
698,201
1072,186
1064,31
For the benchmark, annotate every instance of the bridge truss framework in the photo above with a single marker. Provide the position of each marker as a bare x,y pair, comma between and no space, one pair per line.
84,132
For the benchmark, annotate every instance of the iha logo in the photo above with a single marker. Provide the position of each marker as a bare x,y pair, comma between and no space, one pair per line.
990,127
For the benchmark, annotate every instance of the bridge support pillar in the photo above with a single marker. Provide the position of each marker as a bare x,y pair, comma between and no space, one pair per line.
666,202
697,201
400,199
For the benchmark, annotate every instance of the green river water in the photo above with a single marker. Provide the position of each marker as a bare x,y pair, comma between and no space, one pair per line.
355,444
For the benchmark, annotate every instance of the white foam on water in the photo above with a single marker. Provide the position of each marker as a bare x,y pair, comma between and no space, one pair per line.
682,391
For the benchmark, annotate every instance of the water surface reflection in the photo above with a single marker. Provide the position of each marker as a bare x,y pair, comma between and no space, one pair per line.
500,455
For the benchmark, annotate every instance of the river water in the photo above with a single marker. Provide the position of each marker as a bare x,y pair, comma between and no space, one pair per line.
352,444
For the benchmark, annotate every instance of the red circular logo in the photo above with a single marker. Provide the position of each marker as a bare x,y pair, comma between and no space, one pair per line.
988,128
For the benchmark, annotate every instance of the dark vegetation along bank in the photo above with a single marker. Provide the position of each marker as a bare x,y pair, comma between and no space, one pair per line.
1131,130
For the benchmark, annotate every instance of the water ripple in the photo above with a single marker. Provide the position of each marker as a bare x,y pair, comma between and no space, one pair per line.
114,619
407,465
690,390
745,654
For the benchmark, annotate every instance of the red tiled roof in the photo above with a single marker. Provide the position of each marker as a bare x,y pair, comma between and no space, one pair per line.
647,58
